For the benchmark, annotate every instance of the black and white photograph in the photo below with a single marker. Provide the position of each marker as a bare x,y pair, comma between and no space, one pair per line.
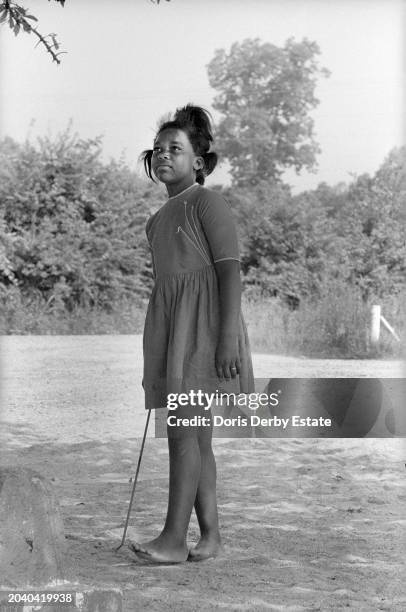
202,305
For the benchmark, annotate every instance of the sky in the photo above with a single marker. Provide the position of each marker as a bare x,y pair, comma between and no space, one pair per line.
129,62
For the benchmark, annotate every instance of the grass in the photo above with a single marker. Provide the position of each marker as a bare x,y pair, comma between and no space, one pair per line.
34,316
336,325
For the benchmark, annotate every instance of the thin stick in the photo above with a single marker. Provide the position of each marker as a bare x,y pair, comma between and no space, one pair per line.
135,481
390,328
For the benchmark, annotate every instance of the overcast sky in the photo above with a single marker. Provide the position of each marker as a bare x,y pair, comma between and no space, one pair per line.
131,61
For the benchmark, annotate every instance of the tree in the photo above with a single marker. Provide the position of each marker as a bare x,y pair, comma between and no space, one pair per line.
326,240
18,18
376,218
271,241
72,227
266,94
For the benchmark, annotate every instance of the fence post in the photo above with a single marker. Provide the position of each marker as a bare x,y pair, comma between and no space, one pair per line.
375,323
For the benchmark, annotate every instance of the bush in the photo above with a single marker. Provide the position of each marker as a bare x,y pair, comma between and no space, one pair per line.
72,227
336,325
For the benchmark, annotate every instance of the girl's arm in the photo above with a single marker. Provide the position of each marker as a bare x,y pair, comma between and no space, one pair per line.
218,226
229,283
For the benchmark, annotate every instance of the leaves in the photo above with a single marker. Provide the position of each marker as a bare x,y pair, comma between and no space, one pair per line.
72,229
265,94
18,18
350,235
71,220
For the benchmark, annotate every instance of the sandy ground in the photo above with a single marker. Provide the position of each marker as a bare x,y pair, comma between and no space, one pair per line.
308,524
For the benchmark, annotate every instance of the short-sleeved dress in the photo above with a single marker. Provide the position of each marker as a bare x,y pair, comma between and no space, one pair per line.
187,235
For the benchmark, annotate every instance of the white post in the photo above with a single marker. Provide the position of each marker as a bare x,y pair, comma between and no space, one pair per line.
375,323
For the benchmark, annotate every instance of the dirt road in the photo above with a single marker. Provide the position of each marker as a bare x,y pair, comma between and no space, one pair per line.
78,388
307,524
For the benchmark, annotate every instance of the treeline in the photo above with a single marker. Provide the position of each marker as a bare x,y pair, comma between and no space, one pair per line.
352,235
72,231
72,227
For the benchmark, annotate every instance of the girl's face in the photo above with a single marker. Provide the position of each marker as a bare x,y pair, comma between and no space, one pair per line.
174,161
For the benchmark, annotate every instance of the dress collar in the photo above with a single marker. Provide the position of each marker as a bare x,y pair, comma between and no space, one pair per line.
183,192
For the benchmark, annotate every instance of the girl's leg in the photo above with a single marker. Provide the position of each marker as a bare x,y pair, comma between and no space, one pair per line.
209,544
184,473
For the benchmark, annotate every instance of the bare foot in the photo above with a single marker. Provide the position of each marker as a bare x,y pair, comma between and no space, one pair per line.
161,550
207,547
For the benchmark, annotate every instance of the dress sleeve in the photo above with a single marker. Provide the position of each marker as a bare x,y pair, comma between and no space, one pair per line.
219,227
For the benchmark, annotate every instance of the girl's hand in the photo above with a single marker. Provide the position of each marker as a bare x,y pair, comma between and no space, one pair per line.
227,360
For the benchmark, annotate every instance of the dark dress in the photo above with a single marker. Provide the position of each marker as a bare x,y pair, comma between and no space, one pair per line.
187,235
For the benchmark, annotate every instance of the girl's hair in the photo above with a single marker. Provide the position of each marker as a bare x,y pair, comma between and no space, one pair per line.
195,121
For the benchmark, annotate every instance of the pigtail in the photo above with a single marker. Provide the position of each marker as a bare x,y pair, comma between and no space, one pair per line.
210,162
200,177
146,158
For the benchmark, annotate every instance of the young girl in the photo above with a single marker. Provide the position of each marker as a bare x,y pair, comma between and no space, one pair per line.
195,338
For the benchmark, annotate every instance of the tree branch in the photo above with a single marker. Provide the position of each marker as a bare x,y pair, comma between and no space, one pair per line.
49,47
17,18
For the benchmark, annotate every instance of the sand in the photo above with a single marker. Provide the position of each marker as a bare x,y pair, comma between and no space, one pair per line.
307,524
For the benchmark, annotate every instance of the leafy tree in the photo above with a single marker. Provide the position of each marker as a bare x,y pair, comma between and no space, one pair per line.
71,227
306,246
266,94
271,241
374,220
